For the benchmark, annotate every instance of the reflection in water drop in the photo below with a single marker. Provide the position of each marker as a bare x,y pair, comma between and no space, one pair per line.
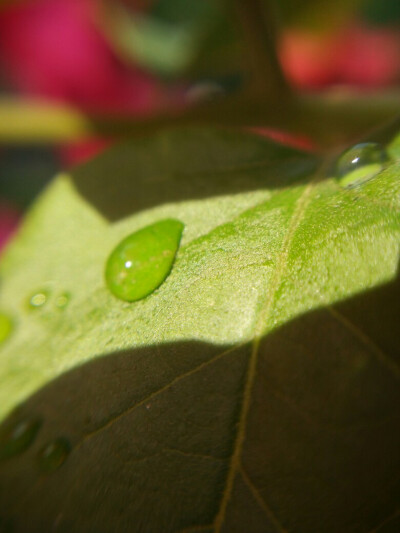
6,327
38,299
360,163
63,300
53,455
142,261
17,438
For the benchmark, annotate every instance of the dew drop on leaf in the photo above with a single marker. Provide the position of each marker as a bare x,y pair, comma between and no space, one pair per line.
54,454
142,261
360,163
6,327
62,300
17,438
38,299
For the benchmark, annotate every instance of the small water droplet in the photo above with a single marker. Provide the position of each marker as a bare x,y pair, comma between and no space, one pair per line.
360,163
62,300
17,438
54,454
6,327
142,261
38,299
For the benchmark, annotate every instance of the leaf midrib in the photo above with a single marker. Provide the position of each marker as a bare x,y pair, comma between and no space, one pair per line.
235,464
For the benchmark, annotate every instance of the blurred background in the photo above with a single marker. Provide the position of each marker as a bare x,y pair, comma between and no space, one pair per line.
72,71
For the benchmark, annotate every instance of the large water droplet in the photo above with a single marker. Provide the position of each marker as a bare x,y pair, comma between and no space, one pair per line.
38,299
360,163
6,326
142,261
54,454
17,438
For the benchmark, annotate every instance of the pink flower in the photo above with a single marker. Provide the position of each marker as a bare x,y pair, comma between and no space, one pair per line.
52,48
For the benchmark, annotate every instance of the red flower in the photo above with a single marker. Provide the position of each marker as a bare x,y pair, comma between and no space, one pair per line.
355,55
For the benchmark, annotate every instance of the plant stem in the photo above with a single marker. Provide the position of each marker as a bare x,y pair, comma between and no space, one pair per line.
257,19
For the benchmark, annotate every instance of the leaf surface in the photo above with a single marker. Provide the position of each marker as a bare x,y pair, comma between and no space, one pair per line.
256,389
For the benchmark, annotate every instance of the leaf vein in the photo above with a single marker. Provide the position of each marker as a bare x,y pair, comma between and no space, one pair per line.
193,455
297,216
382,357
154,394
260,500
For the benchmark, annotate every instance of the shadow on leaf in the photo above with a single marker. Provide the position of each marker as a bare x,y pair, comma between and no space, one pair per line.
187,164
152,433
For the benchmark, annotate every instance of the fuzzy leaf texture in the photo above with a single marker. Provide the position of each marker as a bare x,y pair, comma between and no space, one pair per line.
255,390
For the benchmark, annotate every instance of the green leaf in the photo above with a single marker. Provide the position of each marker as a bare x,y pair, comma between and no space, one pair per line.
255,390
167,38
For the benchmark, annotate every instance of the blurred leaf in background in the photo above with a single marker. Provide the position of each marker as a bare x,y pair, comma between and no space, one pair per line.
165,38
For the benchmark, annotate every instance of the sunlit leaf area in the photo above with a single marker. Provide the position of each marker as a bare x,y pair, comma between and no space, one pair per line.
199,266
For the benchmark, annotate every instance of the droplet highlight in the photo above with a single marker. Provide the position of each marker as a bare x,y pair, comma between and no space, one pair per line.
143,260
62,300
6,327
17,438
54,454
360,163
38,299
